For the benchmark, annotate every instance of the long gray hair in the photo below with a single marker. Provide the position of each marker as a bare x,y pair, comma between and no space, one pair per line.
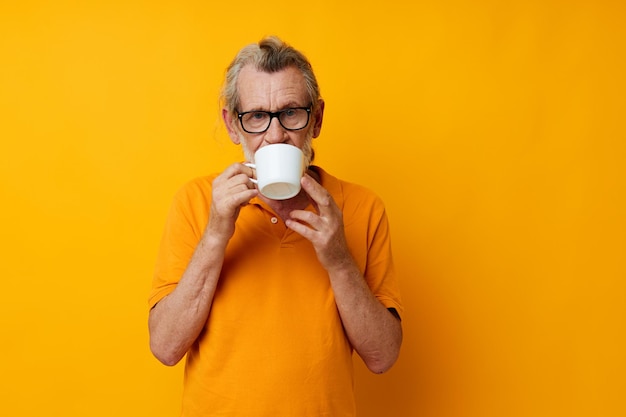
270,55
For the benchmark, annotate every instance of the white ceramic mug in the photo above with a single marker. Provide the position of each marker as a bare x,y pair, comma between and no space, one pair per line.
279,168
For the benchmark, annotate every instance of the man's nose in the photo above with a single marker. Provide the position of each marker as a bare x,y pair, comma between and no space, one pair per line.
276,133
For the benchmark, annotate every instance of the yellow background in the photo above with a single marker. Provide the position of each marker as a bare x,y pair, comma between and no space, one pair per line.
493,130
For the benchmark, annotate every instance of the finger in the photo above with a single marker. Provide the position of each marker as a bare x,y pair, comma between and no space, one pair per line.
242,198
228,203
233,191
318,194
236,169
301,228
241,179
306,217
250,172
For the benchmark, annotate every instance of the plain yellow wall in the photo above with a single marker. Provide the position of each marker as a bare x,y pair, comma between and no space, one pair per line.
493,130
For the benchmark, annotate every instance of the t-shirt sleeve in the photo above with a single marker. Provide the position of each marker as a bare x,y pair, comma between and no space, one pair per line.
380,272
184,226
368,234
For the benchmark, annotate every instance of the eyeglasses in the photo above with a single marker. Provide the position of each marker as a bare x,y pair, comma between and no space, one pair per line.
257,121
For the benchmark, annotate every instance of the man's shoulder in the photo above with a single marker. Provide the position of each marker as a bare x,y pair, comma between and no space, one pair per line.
199,183
198,188
348,192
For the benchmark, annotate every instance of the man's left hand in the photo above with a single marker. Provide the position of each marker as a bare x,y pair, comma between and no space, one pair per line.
323,229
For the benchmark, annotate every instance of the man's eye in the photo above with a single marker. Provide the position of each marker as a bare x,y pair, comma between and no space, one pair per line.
289,112
258,115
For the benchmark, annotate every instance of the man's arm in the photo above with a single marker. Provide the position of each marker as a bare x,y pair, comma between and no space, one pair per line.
177,320
374,332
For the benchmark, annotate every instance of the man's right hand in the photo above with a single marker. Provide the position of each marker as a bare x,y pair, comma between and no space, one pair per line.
232,189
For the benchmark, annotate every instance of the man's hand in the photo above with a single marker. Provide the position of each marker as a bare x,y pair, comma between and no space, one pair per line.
232,189
324,229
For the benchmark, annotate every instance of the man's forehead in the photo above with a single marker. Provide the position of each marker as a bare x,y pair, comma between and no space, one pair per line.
284,87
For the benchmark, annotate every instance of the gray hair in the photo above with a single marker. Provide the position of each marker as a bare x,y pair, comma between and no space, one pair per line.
270,55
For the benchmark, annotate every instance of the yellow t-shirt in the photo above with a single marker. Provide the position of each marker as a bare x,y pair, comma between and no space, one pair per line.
274,344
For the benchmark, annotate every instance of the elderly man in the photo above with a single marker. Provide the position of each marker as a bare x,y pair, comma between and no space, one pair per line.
269,298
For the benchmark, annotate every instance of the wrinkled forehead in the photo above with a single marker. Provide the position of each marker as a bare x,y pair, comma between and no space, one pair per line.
261,90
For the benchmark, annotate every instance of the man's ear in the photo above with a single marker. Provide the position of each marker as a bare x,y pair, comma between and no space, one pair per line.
318,117
230,123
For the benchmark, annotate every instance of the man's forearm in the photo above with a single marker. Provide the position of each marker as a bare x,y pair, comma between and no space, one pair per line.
177,320
374,332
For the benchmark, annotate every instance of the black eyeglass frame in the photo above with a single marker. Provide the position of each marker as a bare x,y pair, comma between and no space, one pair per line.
277,115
